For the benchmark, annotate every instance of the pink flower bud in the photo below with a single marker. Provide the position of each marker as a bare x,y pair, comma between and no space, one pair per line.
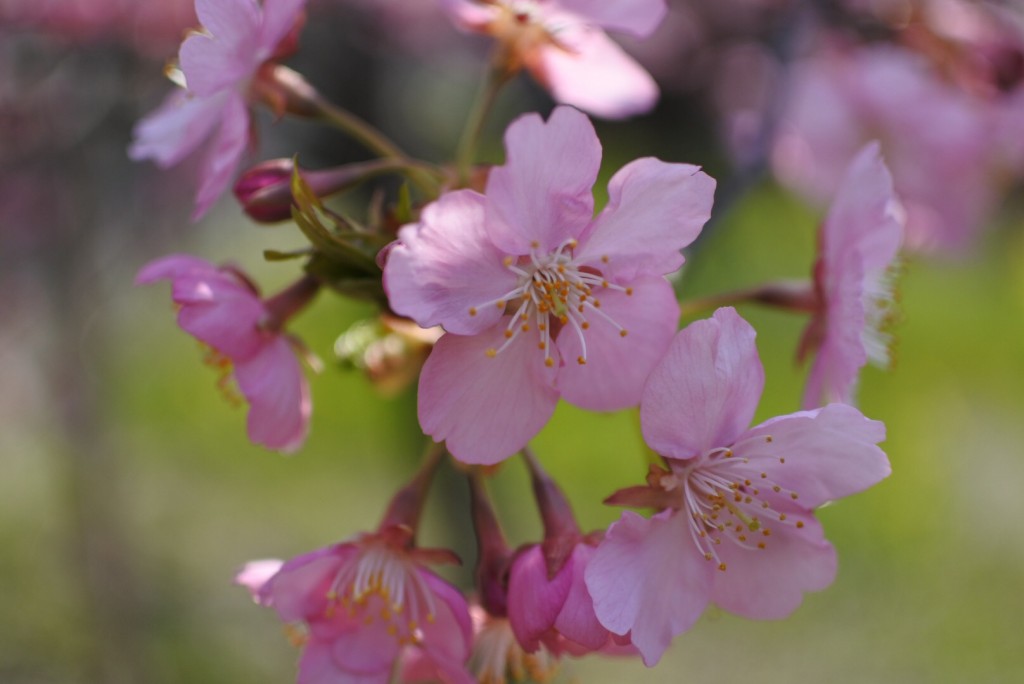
264,191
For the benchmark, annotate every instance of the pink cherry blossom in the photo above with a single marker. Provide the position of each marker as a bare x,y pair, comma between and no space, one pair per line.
223,310
859,241
219,67
563,45
362,603
940,143
539,298
737,527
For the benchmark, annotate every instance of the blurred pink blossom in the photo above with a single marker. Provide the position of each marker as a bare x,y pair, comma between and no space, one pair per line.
859,242
365,603
220,68
563,45
736,527
942,145
539,298
222,309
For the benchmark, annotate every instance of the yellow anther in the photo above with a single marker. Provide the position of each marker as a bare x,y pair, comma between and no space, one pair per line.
782,460
782,516
776,489
708,556
508,334
768,438
472,311
508,261
766,532
799,524
793,496
604,259
491,353
623,332
585,325
721,566
580,360
534,244
629,292
760,545
542,345
500,303
549,362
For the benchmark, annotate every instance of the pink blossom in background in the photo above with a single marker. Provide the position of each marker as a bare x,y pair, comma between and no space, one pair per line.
223,310
151,28
365,603
539,298
219,66
563,45
737,528
858,245
940,143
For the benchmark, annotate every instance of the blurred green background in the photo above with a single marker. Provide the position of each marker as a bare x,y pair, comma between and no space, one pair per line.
129,495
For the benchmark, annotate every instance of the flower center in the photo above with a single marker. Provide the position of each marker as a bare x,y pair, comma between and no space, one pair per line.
383,584
728,500
498,656
553,293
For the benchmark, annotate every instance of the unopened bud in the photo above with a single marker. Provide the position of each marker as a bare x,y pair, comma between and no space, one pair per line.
264,191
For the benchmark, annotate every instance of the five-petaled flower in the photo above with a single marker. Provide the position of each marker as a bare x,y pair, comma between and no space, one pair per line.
540,298
736,527
221,68
852,281
222,309
563,45
364,603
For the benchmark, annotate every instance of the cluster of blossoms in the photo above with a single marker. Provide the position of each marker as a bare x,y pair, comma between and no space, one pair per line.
503,289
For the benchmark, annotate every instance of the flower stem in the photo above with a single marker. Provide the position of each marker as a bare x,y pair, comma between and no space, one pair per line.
791,296
497,76
407,503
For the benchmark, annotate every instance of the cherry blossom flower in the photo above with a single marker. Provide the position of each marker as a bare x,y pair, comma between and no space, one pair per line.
362,603
539,298
736,527
563,45
222,309
940,144
859,242
221,69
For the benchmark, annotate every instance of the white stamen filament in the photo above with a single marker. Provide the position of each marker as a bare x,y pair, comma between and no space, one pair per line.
552,285
724,498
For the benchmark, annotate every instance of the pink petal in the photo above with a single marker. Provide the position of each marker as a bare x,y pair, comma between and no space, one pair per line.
486,408
534,600
367,648
841,355
254,575
769,583
617,367
445,266
865,217
176,128
279,17
217,308
278,395
654,210
593,73
299,590
577,620
543,192
639,17
226,152
705,391
229,21
829,453
175,266
210,65
469,15
648,580
449,637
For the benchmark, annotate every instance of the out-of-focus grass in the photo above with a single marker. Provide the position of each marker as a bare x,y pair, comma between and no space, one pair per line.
931,561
